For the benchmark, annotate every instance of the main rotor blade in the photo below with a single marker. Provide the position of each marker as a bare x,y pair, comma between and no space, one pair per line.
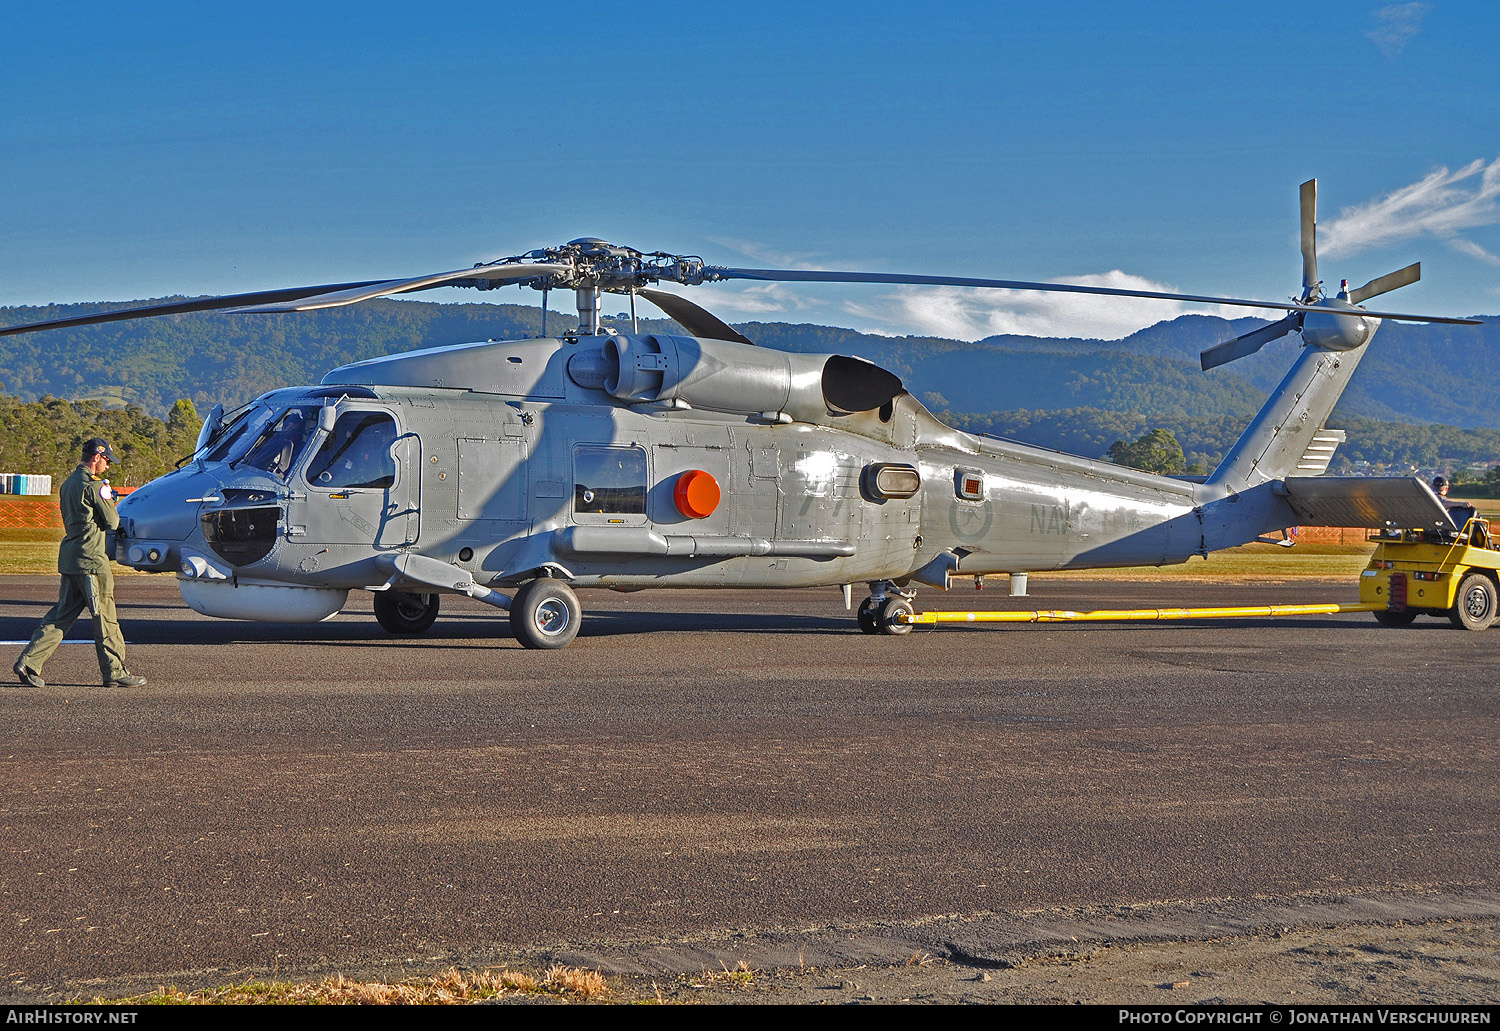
713,272
182,307
1309,236
370,291
696,320
1387,282
1242,346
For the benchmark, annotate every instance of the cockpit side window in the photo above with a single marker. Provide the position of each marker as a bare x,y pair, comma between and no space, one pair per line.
357,453
609,480
282,442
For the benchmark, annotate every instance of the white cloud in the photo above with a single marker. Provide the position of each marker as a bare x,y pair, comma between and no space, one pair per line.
1441,204
972,314
1395,24
1473,250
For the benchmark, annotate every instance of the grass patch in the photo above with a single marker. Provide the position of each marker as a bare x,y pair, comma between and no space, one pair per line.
29,552
1252,561
33,552
31,535
450,988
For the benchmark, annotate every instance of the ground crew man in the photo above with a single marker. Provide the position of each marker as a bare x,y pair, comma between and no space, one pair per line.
88,510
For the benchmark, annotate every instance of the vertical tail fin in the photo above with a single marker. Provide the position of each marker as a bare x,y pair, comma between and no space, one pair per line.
1275,442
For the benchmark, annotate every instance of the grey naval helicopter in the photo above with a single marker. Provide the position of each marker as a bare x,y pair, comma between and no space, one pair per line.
517,471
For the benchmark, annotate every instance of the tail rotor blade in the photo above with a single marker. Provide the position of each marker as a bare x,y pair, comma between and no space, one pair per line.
1243,346
1388,282
1309,237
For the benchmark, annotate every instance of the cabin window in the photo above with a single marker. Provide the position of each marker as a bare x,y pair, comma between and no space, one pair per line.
357,453
881,480
609,480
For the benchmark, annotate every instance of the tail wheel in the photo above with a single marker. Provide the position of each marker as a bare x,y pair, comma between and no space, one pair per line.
1475,607
402,613
1385,617
545,614
892,608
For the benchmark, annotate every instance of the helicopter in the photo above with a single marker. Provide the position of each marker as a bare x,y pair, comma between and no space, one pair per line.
517,472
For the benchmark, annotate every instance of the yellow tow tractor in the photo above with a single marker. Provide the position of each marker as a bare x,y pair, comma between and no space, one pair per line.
1435,572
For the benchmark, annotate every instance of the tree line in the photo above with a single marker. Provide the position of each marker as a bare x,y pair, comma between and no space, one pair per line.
47,437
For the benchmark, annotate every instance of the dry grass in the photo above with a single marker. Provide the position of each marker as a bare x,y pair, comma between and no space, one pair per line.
450,988
1250,562
28,552
739,977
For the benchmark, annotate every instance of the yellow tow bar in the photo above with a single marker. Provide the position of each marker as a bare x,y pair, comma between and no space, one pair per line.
1112,615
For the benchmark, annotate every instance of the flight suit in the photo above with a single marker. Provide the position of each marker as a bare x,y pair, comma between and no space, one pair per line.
87,582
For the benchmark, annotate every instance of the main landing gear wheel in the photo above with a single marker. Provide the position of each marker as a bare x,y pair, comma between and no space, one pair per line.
1385,617
545,614
1476,604
402,613
892,608
869,616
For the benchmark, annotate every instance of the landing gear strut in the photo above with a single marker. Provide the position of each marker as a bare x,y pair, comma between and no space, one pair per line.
878,614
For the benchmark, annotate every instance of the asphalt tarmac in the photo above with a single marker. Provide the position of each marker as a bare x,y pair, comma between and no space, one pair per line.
704,777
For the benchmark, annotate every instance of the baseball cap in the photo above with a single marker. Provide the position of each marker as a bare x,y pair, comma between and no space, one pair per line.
97,446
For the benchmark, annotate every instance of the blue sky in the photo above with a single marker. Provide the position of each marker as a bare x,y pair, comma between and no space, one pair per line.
179,148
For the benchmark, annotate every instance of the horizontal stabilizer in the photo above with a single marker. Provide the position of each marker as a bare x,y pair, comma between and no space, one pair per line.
1374,502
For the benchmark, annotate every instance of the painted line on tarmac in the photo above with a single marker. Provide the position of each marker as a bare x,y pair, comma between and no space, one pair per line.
89,640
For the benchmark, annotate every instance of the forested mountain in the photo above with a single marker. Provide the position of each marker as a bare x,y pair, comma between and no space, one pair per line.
1418,374
1373,445
1411,373
210,358
1413,387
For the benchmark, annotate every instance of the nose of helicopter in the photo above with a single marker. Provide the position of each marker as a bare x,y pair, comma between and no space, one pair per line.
155,519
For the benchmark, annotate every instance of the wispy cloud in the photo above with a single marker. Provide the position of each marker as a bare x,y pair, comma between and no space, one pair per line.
1473,250
756,299
966,314
1441,204
765,255
1394,25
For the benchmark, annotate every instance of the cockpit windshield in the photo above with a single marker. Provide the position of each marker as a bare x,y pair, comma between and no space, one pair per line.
281,441
236,436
